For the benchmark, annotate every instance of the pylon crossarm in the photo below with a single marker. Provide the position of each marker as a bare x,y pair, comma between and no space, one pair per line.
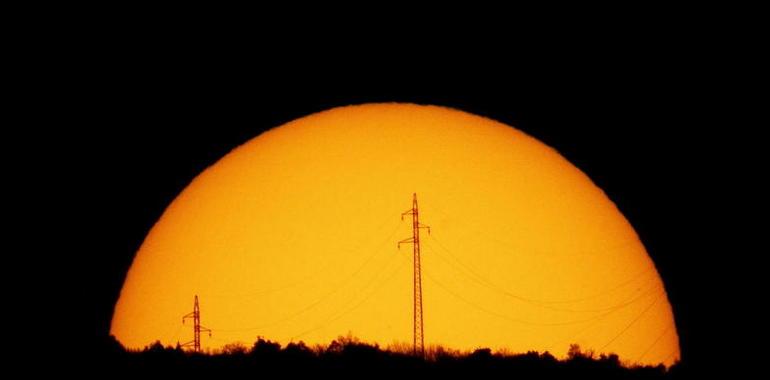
405,241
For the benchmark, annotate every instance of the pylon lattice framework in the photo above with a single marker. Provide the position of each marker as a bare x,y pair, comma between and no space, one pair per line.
197,328
418,332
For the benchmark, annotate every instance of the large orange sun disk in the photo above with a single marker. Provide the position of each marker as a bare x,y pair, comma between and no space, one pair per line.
292,236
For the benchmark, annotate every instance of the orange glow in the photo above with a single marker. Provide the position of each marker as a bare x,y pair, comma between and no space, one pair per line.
292,236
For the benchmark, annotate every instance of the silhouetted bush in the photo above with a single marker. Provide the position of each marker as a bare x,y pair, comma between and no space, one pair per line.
265,348
234,349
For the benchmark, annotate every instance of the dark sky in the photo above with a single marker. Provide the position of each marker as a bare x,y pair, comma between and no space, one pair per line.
142,122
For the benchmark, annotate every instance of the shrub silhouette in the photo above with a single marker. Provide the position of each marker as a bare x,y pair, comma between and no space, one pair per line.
234,349
265,348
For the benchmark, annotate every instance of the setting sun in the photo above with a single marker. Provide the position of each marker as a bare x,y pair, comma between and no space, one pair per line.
293,236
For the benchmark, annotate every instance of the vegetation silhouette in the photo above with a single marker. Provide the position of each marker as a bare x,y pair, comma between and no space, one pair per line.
347,356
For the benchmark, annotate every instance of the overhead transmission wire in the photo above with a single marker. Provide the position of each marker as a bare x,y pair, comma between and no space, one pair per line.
575,335
533,301
671,355
367,297
596,318
309,307
175,337
515,247
638,317
471,274
512,319
327,264
325,296
654,343
444,287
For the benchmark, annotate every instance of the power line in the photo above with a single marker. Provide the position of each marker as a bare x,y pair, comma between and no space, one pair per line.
671,355
512,319
541,303
354,307
325,296
326,265
662,334
632,322
175,337
516,247
600,318
482,281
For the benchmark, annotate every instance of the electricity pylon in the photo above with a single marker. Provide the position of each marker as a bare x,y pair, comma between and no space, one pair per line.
419,336
197,328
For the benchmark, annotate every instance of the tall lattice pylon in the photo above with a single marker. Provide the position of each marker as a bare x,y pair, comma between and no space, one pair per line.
419,333
197,328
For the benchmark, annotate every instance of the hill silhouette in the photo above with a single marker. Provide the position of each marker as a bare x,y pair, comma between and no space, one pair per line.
349,357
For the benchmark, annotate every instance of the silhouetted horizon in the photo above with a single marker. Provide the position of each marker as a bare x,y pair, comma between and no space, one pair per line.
349,355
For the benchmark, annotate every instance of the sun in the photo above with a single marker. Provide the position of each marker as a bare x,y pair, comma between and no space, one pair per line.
292,236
